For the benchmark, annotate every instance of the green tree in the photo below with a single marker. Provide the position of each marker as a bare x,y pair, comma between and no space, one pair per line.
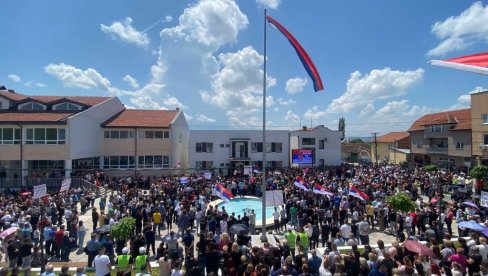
342,127
431,168
401,202
124,228
479,172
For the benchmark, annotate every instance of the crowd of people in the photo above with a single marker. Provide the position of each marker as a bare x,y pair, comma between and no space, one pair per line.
176,226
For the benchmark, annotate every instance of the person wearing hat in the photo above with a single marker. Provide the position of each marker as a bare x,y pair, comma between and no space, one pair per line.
124,262
141,260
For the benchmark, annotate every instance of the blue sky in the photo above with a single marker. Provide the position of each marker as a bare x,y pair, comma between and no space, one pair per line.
206,57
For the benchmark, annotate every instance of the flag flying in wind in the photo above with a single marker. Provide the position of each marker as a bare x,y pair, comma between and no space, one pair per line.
302,54
476,63
357,193
300,183
319,189
223,193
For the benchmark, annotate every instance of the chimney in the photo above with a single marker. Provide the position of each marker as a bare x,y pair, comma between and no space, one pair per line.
11,91
2,87
177,109
304,127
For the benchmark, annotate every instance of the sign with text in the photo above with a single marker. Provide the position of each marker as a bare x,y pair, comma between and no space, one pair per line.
208,175
65,185
247,170
39,191
484,199
274,198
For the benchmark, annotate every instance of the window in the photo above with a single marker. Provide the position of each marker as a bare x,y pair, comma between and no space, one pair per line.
31,106
203,165
66,106
222,145
227,145
484,118
436,128
485,139
153,134
276,147
118,162
204,147
321,144
257,147
119,134
9,136
419,144
46,164
459,145
153,162
45,136
308,141
222,165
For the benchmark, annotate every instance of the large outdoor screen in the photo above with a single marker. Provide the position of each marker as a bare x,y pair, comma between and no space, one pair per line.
302,156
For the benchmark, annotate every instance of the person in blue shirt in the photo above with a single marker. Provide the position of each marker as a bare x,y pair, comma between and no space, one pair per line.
314,263
48,239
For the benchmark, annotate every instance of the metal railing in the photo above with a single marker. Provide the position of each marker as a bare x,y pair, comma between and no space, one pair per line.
52,184
438,149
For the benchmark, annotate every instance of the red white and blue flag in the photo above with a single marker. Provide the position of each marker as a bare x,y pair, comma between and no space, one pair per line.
184,180
300,183
223,193
302,54
319,189
476,63
357,193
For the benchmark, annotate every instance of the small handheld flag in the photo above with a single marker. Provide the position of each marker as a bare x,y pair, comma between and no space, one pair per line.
476,63
302,54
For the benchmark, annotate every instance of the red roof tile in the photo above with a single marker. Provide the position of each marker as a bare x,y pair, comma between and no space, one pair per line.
85,100
392,137
12,96
33,117
142,118
461,118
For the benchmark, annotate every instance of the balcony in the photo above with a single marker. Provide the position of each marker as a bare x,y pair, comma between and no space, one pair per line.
438,150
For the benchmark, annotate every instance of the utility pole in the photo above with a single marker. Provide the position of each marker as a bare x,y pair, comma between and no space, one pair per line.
375,148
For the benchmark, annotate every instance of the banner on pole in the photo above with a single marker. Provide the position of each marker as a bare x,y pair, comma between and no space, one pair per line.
39,191
65,185
274,198
484,199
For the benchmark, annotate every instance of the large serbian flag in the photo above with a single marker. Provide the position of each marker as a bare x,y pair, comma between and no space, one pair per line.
476,63
319,189
357,193
300,183
223,193
302,54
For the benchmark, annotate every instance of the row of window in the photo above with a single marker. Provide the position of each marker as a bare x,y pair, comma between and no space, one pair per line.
35,106
207,165
131,134
128,162
270,147
311,142
9,136
45,136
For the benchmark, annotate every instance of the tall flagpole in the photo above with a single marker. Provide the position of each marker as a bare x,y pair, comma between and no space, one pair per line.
263,180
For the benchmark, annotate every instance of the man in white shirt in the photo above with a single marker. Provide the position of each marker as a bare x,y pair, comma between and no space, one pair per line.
223,226
102,263
345,231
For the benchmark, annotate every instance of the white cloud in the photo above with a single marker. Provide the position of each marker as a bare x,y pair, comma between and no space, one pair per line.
378,84
14,78
204,119
282,101
272,4
314,113
400,111
292,117
461,31
464,101
212,23
295,85
168,18
126,32
40,84
237,87
131,81
367,110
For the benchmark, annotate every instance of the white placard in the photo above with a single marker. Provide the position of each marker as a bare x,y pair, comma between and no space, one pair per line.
39,191
65,185
247,170
208,175
484,199
274,198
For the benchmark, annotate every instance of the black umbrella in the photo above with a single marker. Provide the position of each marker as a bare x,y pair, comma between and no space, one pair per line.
103,229
239,229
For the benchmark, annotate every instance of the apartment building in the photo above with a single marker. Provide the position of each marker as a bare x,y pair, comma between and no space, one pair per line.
53,136
324,143
227,150
393,148
442,138
479,127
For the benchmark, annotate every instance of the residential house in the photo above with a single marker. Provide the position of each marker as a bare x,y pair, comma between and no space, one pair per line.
324,143
393,148
479,127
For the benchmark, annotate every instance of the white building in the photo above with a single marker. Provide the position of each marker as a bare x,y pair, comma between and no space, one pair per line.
226,150
324,143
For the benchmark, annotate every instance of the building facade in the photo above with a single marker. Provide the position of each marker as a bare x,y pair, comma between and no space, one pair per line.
324,143
55,136
393,148
479,127
442,139
227,150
